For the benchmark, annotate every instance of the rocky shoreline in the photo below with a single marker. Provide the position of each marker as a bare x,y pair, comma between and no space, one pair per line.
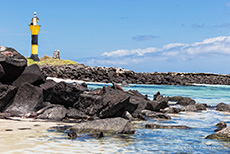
120,75
25,92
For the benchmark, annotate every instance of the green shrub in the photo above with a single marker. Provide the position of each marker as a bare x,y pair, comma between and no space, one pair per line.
48,60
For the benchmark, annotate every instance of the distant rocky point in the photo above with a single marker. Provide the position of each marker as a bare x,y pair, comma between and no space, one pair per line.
119,75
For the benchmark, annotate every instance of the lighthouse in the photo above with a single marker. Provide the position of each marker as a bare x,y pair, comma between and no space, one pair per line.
34,29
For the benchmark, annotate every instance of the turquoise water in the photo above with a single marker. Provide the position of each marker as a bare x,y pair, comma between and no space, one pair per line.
181,141
148,140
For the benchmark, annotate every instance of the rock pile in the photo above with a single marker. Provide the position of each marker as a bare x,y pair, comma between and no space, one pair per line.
120,75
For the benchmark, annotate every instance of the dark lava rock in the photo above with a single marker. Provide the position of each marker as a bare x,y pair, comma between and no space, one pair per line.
189,108
220,125
223,135
138,99
108,75
105,103
72,134
76,114
156,95
127,115
157,105
89,104
159,102
84,85
182,100
13,64
201,106
109,125
152,114
58,112
28,99
223,107
171,110
156,126
64,93
2,72
47,88
32,74
116,104
7,94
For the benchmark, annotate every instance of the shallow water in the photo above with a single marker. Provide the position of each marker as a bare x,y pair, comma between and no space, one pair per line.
39,140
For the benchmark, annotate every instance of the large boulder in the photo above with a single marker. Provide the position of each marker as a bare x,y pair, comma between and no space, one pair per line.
171,110
7,93
65,94
159,102
223,135
182,100
140,100
116,103
89,104
32,74
157,105
13,64
28,99
47,87
76,114
223,107
109,125
220,126
154,115
57,113
105,103
189,108
201,106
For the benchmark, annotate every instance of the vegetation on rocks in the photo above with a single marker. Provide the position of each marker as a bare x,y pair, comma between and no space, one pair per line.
49,60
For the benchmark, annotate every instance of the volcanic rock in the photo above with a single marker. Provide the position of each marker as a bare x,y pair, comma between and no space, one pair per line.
182,100
223,107
189,108
220,126
28,99
7,94
152,114
223,135
201,106
64,93
156,126
170,110
76,114
47,88
13,64
32,75
109,125
57,113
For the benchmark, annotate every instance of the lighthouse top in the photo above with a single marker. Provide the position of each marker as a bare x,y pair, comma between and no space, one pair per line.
34,20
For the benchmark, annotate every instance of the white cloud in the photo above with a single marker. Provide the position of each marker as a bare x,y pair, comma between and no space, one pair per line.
217,46
137,52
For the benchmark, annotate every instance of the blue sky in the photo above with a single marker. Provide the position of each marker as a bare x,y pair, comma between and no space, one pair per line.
141,35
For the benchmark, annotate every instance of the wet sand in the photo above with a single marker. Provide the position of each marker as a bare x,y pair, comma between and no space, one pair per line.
17,136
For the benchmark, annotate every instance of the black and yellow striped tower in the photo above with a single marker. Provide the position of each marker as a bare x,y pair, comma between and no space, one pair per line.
34,28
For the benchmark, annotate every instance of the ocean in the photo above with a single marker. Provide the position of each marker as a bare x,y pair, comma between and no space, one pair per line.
41,140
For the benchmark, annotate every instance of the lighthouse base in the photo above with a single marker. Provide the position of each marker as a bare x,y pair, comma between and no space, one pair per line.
34,57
